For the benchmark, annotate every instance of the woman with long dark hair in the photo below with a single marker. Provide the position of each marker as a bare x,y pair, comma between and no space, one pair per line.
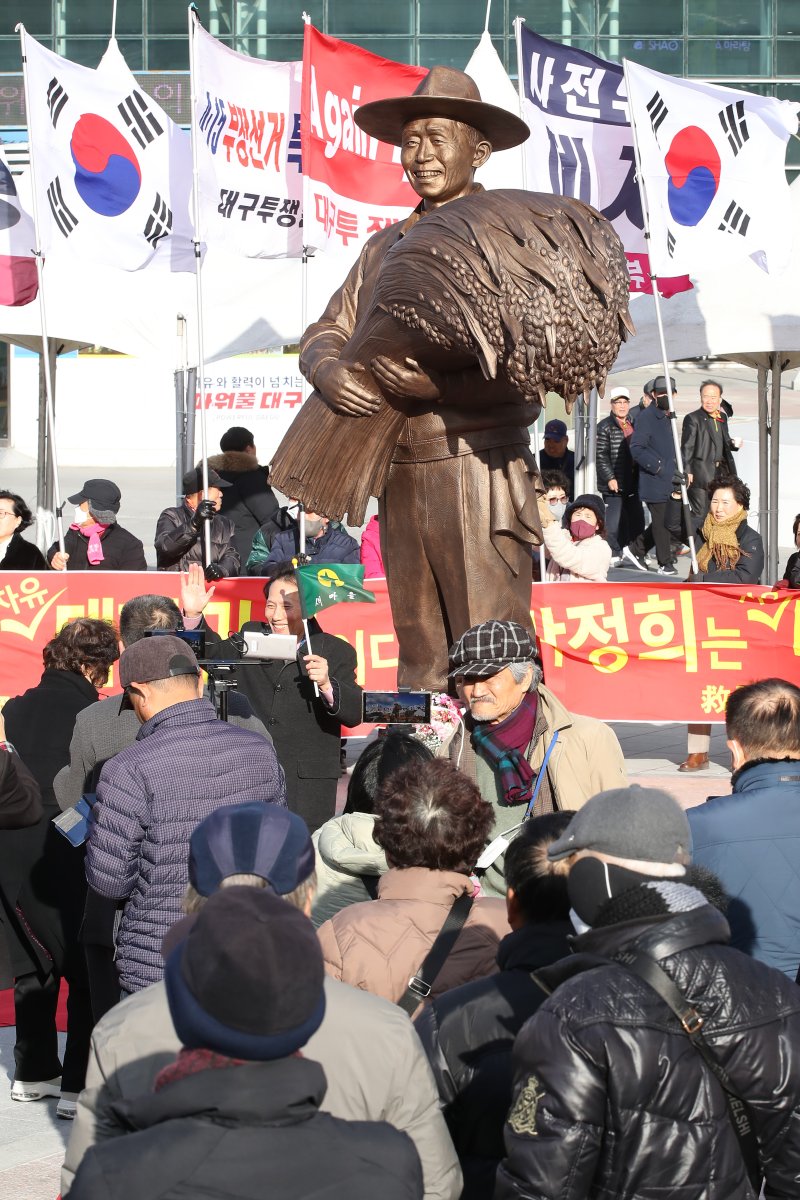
42,879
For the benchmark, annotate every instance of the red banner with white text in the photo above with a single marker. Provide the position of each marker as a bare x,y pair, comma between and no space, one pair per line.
354,185
628,652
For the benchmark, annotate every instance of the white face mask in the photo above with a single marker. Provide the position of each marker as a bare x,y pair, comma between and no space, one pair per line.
558,509
81,515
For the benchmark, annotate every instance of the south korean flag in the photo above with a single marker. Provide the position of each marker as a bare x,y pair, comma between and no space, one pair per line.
713,166
113,172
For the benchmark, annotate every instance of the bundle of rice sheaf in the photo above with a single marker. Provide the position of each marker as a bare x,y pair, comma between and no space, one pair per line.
533,288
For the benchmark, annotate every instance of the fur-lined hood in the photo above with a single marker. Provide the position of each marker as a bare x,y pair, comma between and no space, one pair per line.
237,462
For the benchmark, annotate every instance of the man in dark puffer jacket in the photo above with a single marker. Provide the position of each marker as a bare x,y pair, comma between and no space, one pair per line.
469,1031
611,1098
183,766
237,1113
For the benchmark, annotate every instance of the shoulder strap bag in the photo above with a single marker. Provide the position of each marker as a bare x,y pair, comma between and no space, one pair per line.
648,970
420,985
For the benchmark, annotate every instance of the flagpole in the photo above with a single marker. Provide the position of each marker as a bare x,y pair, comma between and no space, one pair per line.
518,23
48,382
198,260
673,416
301,513
113,19
488,15
542,558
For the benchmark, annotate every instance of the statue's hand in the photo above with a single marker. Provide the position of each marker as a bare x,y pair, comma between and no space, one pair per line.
409,381
342,388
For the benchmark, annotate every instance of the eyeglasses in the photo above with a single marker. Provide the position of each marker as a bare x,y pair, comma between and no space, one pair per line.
621,400
3,513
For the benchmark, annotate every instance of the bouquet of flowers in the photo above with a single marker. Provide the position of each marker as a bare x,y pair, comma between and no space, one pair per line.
446,716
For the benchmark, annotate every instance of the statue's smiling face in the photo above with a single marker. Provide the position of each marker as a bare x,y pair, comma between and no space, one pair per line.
440,156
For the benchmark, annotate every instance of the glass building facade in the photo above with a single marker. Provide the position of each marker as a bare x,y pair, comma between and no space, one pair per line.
730,40
753,44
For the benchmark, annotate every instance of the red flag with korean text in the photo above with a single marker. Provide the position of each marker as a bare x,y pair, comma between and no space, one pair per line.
353,184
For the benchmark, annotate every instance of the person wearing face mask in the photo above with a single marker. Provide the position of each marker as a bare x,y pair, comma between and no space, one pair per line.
15,553
94,540
326,542
653,451
556,487
577,548
615,1087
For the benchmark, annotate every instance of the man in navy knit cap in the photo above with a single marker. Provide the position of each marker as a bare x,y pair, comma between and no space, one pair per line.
237,1113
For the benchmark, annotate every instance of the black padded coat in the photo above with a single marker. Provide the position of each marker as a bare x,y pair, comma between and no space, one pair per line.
612,1102
305,732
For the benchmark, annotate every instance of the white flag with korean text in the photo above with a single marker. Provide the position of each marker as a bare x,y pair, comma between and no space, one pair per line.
113,171
581,143
247,131
713,166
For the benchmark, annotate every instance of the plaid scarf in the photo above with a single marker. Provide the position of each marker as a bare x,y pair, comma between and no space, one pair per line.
503,747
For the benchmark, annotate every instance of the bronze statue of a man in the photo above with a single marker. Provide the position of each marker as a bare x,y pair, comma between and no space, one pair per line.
458,515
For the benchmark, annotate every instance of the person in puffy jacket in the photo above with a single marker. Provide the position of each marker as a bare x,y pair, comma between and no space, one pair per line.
349,860
653,451
432,825
577,547
611,1097
180,531
617,476
183,765
468,1032
326,541
237,1112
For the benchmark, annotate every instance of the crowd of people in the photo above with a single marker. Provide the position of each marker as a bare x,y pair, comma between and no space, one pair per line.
501,971
635,520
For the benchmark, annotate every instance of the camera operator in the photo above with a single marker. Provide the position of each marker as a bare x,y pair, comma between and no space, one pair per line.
305,727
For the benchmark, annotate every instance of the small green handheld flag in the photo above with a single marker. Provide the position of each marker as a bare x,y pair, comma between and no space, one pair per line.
325,584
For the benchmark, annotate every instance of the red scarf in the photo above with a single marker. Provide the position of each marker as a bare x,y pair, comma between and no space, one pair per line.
192,1062
624,425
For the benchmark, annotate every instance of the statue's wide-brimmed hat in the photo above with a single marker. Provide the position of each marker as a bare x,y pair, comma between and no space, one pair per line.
444,92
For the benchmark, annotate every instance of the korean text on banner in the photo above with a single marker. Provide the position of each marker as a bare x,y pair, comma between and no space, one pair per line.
113,172
581,143
713,166
248,137
18,276
353,184
631,652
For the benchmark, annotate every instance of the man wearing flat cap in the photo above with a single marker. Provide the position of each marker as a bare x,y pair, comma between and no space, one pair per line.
94,540
514,723
663,1062
458,514
183,766
180,536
